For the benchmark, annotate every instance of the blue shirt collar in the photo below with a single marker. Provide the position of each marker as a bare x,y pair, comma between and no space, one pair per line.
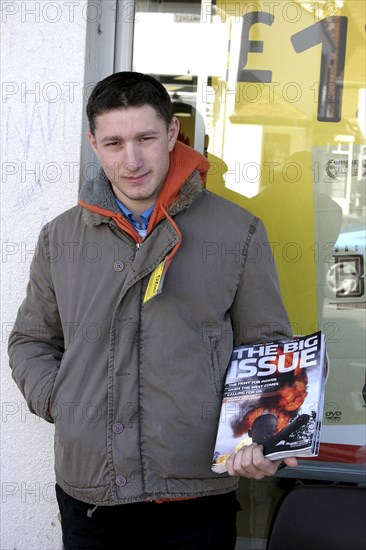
144,217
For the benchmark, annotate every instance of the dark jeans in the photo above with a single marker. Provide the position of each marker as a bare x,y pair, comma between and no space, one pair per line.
205,523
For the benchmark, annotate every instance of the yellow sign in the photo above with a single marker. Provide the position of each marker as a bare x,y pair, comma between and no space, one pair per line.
286,140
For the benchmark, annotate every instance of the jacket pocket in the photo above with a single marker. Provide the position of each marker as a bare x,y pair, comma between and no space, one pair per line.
215,371
53,405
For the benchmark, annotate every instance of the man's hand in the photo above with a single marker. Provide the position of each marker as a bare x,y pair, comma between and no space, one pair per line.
249,462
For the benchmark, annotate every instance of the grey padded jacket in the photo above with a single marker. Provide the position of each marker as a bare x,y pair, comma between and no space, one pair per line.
134,386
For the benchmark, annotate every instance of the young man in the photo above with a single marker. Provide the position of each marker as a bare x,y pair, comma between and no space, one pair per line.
136,297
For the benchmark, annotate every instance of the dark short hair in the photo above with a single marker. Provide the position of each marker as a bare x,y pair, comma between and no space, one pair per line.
128,89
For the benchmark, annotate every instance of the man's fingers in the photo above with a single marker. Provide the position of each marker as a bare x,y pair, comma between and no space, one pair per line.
291,461
249,462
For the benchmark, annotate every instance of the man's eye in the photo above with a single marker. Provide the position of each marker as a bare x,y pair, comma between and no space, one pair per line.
112,143
145,138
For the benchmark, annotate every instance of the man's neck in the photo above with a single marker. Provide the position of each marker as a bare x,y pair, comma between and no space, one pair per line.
137,207
141,221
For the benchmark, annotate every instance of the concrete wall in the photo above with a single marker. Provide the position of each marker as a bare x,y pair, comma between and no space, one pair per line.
42,70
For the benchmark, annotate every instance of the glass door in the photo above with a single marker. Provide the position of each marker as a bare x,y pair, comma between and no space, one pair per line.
273,93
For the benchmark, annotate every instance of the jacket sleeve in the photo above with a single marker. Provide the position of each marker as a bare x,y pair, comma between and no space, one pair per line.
258,313
36,344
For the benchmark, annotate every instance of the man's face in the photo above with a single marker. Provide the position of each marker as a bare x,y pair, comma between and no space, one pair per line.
133,146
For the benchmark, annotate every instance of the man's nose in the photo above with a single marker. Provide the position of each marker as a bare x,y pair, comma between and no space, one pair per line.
131,161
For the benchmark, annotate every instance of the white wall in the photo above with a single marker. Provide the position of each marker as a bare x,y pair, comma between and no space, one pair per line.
42,72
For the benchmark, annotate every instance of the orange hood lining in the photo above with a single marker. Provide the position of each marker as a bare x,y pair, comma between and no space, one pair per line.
183,162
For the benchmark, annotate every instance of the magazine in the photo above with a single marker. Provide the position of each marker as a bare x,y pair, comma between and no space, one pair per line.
274,396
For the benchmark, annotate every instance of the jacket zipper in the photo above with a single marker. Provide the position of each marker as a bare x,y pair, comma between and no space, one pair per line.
114,227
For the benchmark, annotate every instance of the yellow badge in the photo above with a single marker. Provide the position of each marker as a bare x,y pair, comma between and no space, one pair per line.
155,284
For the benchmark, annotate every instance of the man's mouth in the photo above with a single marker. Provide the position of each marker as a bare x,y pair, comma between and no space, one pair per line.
141,178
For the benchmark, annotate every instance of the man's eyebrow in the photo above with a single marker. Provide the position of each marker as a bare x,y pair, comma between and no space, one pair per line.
139,135
110,138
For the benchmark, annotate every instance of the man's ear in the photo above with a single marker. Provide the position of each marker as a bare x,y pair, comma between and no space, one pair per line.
93,143
173,131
